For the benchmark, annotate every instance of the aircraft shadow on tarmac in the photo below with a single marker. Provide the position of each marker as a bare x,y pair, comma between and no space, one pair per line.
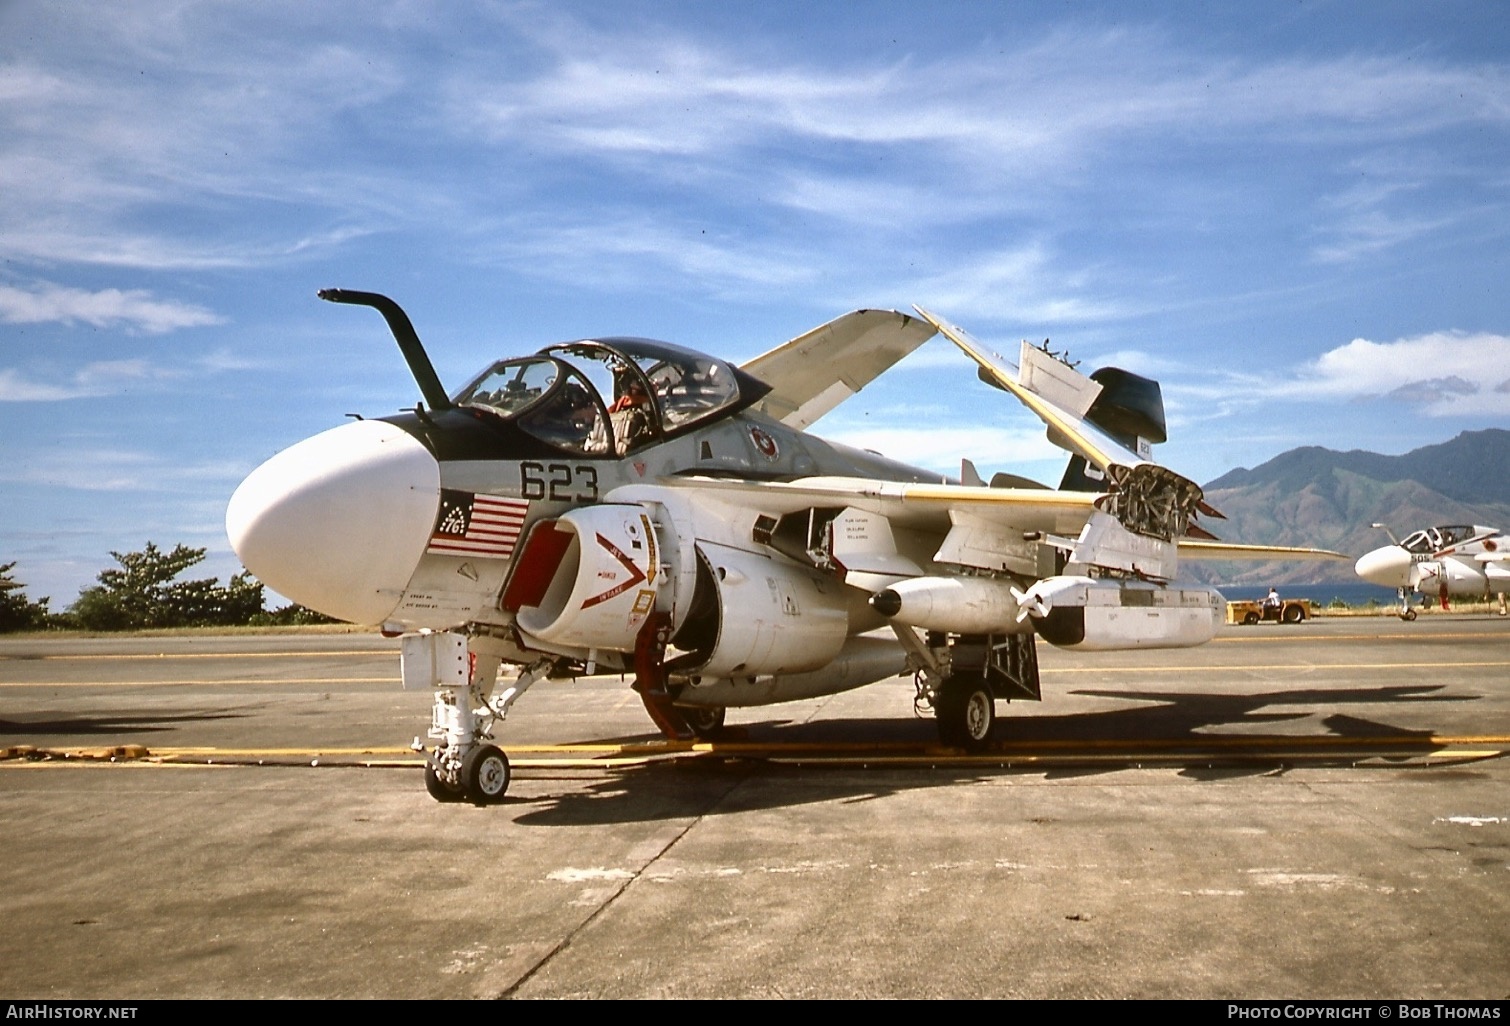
1183,714
64,726
1158,716
711,786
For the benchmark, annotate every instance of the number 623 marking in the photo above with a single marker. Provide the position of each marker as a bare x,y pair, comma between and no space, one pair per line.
559,482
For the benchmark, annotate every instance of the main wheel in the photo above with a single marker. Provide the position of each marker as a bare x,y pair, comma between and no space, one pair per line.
966,712
485,774
706,721
1408,615
437,786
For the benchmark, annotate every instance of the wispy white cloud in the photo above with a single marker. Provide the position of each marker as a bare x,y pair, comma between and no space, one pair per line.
109,468
177,104
93,380
1373,232
228,360
1441,374
1367,218
101,378
883,147
1022,285
191,108
1445,373
135,309
622,250
670,91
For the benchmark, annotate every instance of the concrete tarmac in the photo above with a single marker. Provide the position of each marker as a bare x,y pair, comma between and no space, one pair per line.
1316,811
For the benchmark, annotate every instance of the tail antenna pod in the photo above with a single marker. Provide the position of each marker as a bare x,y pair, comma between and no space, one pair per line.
403,333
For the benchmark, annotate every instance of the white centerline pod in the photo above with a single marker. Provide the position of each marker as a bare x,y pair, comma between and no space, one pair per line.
1092,614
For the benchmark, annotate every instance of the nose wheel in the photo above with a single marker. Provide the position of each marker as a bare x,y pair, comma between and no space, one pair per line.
485,775
482,778
1406,612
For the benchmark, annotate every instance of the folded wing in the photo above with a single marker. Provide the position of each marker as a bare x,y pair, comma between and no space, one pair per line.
815,372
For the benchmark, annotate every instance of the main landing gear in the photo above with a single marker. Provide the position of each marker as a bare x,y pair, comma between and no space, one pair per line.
677,722
966,712
960,677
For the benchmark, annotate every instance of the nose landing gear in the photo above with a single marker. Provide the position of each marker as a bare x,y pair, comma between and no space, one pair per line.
464,766
1406,612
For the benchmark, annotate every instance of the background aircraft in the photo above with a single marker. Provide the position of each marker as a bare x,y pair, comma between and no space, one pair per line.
626,505
1459,561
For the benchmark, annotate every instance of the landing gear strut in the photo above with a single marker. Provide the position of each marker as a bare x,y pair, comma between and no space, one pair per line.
650,678
1406,612
463,766
960,677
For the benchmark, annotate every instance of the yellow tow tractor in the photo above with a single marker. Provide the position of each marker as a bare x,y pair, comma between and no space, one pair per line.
1252,611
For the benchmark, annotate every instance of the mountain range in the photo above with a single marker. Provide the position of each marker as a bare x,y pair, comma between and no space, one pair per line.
1327,499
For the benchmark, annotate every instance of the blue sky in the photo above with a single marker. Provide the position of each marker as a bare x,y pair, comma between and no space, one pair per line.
1294,214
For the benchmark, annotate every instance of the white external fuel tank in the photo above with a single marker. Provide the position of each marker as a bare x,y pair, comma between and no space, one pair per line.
963,605
1091,614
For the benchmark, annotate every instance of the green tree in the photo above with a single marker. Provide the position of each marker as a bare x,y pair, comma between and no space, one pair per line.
292,615
17,612
143,592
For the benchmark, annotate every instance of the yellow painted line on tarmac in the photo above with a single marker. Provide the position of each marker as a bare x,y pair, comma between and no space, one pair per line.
1435,664
1271,741
1313,638
155,656
389,653
599,753
191,683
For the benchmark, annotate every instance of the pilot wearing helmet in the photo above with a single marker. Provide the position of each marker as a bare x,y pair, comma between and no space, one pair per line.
630,413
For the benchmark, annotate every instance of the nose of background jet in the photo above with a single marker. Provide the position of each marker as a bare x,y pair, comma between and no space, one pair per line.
339,521
1388,565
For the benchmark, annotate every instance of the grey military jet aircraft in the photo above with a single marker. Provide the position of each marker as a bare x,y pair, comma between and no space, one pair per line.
626,505
1450,561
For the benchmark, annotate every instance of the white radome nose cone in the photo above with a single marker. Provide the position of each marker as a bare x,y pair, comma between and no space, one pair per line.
339,521
1388,565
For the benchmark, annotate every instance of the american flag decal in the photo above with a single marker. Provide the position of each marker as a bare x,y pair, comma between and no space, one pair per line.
477,525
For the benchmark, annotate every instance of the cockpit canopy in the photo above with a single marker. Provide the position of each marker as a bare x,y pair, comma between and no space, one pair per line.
1435,539
609,397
